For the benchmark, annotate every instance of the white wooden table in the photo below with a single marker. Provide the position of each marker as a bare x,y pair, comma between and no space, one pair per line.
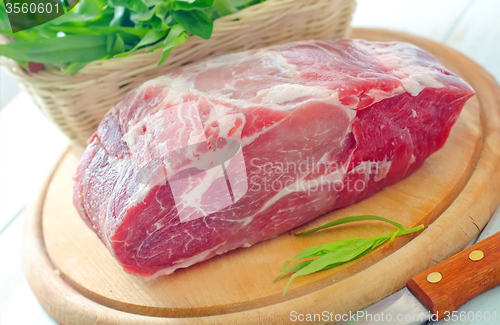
29,144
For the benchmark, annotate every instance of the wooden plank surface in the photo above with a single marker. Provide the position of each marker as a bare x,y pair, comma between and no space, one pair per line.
29,146
433,19
25,160
18,304
477,35
8,87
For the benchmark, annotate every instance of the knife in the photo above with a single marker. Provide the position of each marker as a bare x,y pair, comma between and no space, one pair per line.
440,290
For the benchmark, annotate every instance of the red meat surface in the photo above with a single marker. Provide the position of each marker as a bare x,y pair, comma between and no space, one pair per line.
238,149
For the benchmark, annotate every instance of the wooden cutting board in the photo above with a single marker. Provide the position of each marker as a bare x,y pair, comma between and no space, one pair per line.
454,193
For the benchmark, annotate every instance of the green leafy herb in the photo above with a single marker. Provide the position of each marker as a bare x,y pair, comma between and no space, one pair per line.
151,37
170,45
74,67
102,29
4,19
195,21
331,254
73,48
192,4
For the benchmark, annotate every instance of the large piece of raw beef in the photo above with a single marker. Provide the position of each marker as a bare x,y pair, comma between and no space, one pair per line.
238,149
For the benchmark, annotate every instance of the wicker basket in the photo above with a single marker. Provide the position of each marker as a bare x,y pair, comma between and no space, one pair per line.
78,103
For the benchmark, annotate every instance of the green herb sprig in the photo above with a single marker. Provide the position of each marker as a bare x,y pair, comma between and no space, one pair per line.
331,254
103,29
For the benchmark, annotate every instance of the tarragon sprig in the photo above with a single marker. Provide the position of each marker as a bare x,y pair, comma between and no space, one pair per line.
331,254
104,29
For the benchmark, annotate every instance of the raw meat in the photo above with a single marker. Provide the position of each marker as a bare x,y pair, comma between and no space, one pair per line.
238,149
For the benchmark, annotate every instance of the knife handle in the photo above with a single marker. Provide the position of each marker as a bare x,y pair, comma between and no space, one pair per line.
463,277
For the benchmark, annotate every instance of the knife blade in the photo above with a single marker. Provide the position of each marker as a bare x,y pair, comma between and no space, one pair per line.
435,293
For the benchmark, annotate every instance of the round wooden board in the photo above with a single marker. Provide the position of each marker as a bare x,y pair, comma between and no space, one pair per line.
454,194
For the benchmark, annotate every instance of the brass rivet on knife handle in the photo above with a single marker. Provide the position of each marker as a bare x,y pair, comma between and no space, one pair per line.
463,277
476,255
434,277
